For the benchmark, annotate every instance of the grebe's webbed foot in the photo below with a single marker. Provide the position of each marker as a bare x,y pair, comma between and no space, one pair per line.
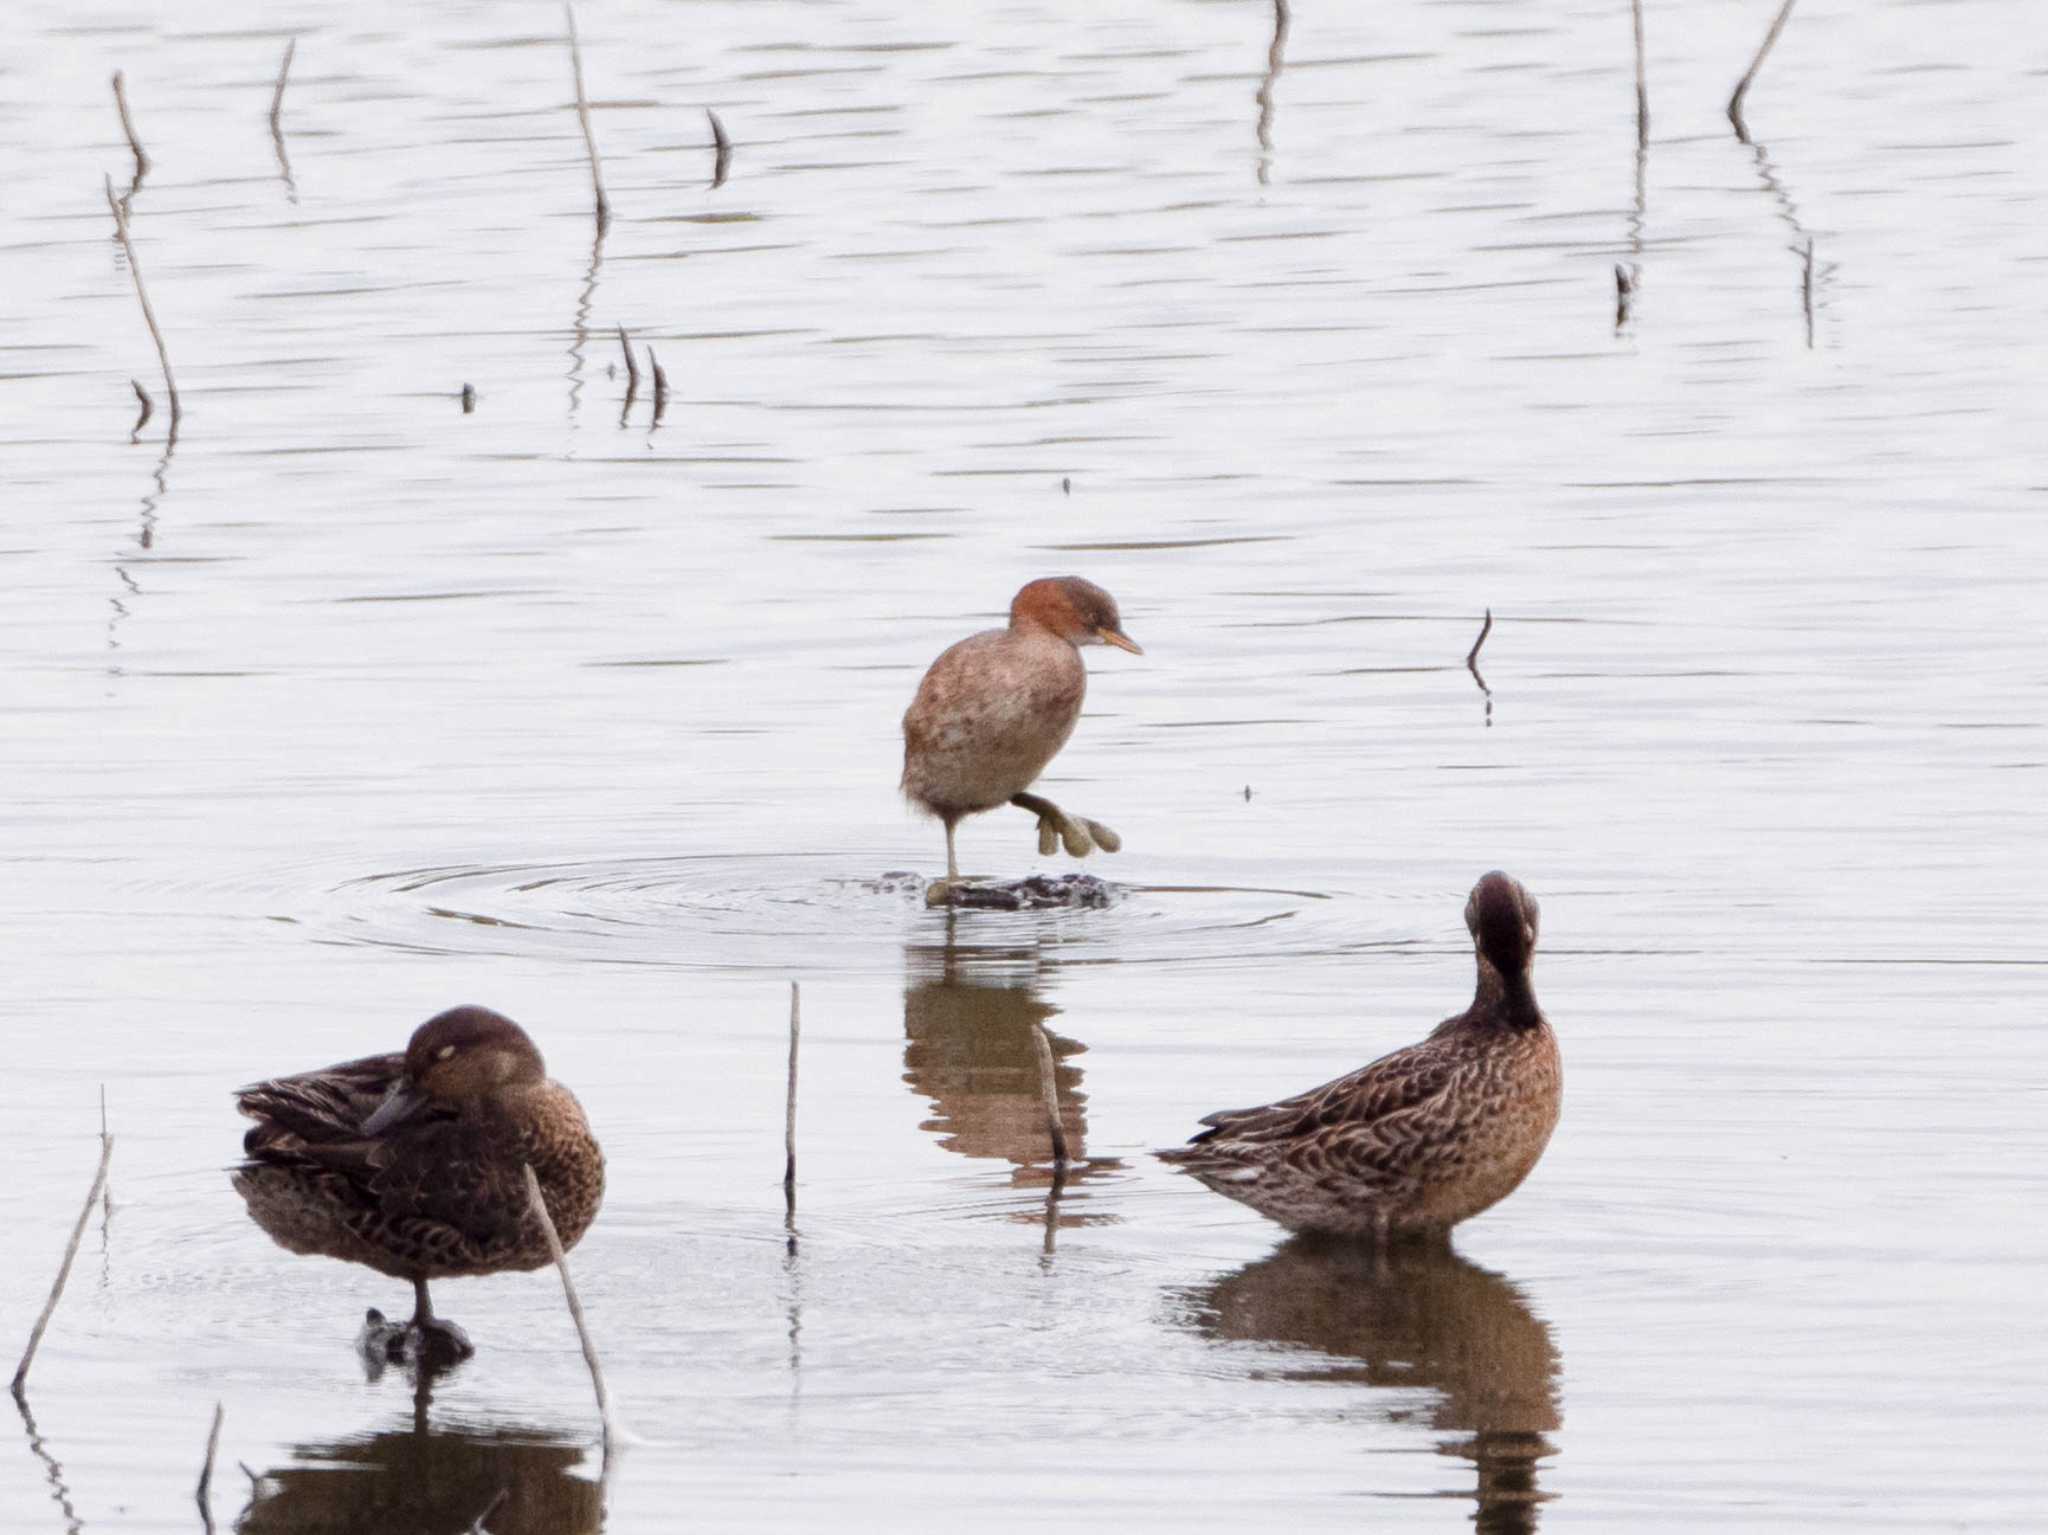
1105,839
1079,835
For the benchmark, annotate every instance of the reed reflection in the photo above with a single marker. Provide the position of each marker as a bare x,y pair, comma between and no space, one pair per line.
506,1480
968,1021
1414,1318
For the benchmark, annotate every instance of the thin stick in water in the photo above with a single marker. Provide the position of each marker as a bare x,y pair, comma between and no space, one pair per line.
632,372
1749,77
205,1488
35,1338
1472,664
128,127
789,1112
1049,1091
1472,655
604,206
107,1188
547,1226
660,385
149,315
1806,291
468,399
723,145
277,96
1642,80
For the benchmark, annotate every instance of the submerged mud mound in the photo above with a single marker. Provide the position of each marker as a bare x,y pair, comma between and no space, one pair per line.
1041,892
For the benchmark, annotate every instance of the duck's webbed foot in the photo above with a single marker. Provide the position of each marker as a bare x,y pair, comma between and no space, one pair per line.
1056,828
426,1342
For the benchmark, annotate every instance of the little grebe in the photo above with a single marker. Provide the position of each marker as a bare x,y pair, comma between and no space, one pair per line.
997,707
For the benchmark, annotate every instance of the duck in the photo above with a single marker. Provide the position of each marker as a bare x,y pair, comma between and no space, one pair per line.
413,1164
993,710
1421,1139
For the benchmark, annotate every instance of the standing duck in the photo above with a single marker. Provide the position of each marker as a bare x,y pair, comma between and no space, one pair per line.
997,707
1423,1138
414,1164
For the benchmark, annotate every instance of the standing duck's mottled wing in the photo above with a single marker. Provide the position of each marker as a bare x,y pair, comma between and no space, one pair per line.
448,1188
1366,1125
428,1193
316,1107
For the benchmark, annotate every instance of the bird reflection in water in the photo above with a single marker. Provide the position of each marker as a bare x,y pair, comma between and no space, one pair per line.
968,1021
1408,1319
506,1480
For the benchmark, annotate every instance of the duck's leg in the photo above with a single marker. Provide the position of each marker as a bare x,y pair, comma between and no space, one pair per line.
434,1341
1080,835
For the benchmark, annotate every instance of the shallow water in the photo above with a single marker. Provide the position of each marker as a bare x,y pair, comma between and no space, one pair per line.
353,706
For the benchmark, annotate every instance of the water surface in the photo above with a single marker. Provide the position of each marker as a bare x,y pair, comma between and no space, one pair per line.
351,706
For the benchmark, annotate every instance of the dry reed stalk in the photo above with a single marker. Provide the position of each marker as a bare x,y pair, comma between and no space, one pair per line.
547,1226
723,163
277,96
660,385
128,127
1749,76
203,1494
1049,1092
604,206
163,354
632,372
35,1337
789,1112
1642,80
1472,655
1806,291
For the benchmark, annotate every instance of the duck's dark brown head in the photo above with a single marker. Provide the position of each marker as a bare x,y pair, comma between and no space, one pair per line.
1079,612
1504,919
457,1057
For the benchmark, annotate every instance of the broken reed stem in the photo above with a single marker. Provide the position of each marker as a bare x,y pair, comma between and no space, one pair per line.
632,368
205,1488
163,355
789,1112
660,385
1749,77
547,1226
1806,292
1472,655
128,127
277,96
1049,1091
723,145
35,1338
604,206
1642,80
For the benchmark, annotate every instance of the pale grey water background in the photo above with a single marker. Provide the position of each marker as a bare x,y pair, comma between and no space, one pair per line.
357,706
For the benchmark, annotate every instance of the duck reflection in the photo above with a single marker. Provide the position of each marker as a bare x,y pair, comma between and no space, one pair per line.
968,1020
1408,1318
507,1481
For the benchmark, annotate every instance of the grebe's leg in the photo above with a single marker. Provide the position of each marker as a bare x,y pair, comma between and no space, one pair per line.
1081,835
